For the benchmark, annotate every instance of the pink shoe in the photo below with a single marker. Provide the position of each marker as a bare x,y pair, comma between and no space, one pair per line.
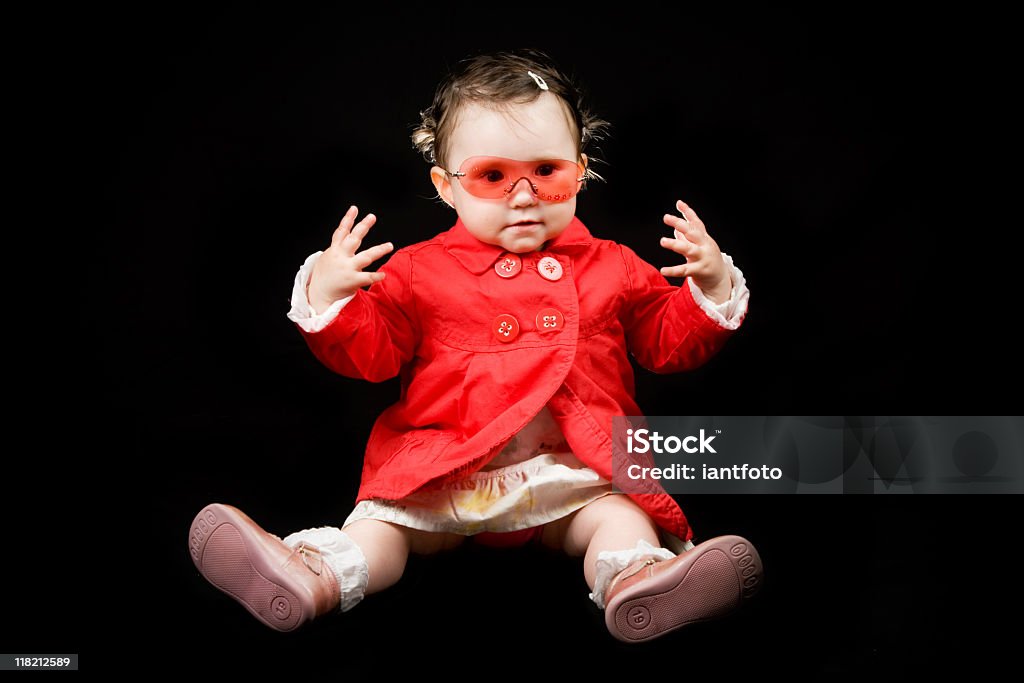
281,586
652,597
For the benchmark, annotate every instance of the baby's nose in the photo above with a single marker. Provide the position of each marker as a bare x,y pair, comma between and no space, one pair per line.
521,193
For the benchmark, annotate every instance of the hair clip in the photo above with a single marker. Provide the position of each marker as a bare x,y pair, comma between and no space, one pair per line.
540,81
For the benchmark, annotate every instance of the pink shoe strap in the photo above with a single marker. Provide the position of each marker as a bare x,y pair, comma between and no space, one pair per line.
631,570
311,557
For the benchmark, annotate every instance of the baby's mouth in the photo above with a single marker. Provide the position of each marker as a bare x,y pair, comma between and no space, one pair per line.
523,225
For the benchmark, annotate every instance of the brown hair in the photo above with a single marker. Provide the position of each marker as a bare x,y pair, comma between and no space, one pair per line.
501,78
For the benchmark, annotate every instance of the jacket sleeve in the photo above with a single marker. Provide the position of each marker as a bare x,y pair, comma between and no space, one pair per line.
376,332
666,330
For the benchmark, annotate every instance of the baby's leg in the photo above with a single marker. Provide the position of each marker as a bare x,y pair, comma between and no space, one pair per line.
286,582
610,523
387,546
645,590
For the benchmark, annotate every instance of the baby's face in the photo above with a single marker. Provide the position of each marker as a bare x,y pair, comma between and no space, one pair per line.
526,132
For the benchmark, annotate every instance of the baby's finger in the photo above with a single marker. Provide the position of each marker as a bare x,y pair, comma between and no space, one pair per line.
675,271
368,256
367,279
355,237
346,224
681,246
691,216
684,228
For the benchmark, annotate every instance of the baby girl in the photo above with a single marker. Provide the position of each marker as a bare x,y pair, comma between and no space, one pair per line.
510,332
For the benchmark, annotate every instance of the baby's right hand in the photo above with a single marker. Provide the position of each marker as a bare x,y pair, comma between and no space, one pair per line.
338,272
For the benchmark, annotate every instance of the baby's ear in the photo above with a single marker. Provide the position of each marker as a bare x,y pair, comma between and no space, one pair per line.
442,184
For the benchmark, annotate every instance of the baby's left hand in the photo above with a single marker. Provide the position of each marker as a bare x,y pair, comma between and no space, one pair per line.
704,262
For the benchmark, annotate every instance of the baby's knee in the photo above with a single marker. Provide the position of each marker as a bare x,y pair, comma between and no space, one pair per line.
617,514
616,506
430,542
397,537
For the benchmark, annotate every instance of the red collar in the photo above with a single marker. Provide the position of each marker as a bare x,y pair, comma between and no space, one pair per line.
477,256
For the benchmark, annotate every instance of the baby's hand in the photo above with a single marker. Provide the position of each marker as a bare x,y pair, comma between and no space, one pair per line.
704,262
338,272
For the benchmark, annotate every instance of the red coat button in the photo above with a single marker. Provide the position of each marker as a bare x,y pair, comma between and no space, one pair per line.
508,265
505,328
549,268
549,320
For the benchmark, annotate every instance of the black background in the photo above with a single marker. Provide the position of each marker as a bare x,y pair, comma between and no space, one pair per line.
827,155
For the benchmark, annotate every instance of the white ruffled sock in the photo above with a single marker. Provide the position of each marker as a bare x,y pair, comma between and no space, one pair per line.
611,562
344,558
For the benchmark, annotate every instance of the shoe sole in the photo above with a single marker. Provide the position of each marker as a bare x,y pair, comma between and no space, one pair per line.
723,574
226,551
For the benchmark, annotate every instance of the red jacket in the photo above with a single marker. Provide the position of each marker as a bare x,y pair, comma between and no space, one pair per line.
472,377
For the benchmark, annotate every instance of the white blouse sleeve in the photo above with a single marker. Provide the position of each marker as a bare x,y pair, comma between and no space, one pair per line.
729,314
301,313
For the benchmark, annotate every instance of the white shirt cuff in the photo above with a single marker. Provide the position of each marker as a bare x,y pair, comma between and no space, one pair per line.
729,314
301,313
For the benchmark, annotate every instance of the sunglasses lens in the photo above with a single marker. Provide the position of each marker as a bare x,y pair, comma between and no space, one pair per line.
553,180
